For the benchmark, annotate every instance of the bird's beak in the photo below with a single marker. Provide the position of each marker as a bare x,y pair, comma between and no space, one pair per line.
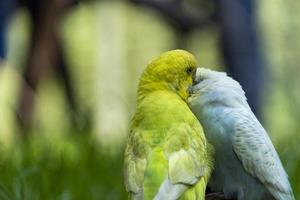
194,79
190,88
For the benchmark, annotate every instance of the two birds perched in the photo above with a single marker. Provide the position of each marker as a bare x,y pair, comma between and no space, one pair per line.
168,157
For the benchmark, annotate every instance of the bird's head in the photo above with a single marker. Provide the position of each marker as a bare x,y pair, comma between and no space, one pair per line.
173,71
213,86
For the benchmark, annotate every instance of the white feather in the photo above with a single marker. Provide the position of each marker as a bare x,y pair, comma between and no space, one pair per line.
169,191
221,104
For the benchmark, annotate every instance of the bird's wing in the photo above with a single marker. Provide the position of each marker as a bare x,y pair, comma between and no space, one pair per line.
259,158
184,168
188,162
168,170
134,166
187,154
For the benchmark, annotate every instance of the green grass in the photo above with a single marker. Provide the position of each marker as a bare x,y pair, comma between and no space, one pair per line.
65,168
69,168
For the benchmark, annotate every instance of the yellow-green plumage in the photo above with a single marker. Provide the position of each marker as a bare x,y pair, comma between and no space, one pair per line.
166,141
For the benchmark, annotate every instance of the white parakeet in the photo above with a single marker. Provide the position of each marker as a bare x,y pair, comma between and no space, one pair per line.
247,166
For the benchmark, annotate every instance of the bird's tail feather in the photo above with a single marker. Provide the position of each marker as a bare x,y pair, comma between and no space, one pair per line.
155,173
197,192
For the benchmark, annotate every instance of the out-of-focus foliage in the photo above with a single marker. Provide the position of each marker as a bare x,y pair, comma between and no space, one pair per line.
107,45
71,167
280,30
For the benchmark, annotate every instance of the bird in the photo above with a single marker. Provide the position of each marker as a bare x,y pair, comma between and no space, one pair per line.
166,156
247,166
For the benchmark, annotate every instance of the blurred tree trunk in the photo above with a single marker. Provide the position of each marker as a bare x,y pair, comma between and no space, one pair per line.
110,107
45,55
240,47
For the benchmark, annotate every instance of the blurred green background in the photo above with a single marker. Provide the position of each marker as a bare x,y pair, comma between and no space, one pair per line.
107,44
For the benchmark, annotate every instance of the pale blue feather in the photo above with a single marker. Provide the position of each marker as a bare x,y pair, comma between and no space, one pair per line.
247,166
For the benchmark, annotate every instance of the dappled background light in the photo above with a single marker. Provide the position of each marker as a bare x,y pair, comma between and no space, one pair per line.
72,145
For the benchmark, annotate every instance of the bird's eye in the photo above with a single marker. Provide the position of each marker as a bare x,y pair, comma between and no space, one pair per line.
189,70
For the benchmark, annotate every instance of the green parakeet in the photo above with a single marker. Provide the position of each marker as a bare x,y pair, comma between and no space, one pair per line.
167,156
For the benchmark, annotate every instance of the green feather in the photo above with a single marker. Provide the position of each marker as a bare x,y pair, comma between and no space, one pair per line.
166,140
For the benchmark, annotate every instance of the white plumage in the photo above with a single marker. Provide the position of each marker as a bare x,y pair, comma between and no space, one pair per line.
247,166
170,191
